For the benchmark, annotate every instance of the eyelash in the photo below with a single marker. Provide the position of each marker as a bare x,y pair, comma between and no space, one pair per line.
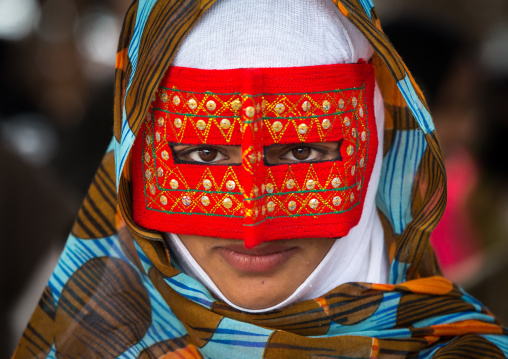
312,148
186,154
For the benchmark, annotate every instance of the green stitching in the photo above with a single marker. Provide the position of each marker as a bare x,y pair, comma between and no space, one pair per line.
154,157
195,214
304,215
298,192
255,224
257,198
264,94
357,151
144,164
304,117
368,140
197,190
309,93
252,121
192,115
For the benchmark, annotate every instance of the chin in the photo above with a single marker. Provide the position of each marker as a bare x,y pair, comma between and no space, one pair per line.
257,294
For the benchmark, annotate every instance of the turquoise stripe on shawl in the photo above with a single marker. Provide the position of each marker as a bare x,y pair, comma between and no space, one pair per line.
181,283
247,340
165,325
429,353
453,318
127,137
367,6
397,177
382,320
419,111
122,148
52,352
76,253
192,289
398,272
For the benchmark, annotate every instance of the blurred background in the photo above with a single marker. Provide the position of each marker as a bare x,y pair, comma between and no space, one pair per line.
56,106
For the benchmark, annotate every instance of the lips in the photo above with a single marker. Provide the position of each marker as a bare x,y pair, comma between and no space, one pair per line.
265,258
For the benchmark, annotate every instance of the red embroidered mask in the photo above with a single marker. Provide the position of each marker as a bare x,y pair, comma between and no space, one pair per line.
306,141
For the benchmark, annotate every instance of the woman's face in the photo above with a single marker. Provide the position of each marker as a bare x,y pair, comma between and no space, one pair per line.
269,273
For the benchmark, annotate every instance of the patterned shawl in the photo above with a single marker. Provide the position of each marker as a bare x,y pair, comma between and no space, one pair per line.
114,292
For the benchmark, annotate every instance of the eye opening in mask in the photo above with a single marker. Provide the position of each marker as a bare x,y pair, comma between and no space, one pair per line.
274,155
293,153
205,154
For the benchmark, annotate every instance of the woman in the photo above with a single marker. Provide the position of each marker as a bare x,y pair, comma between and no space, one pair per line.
248,153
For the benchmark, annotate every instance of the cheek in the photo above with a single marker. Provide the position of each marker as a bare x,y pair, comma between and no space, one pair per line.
198,246
323,245
314,250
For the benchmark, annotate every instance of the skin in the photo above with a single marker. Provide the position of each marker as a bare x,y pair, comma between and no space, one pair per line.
269,273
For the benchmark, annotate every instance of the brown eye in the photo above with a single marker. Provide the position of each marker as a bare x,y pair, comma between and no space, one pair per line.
207,155
301,153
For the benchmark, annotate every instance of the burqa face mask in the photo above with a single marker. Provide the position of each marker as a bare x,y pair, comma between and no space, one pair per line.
259,110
